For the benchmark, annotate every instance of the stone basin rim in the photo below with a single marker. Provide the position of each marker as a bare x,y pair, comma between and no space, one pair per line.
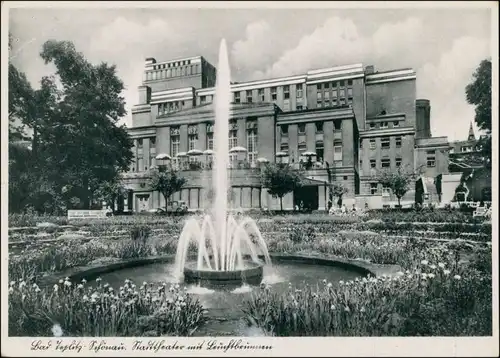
91,272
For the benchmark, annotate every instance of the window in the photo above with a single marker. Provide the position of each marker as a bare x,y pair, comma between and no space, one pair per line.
346,177
261,94
334,94
286,92
192,140
386,191
337,125
384,125
302,128
349,82
318,87
373,163
284,147
299,90
175,143
284,129
327,95
233,139
249,96
319,95
320,150
431,158
252,145
398,162
385,142
299,108
398,142
349,93
342,83
342,102
373,144
373,188
342,93
319,127
373,125
210,141
319,103
236,97
274,94
386,163
326,85
152,142
203,99
337,150
395,124
139,143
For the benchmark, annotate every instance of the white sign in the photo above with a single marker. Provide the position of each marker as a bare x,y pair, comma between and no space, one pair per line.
87,214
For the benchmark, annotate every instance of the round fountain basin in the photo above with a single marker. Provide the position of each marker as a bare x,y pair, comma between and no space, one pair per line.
251,274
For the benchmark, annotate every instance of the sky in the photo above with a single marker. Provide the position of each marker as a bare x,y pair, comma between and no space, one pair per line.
444,46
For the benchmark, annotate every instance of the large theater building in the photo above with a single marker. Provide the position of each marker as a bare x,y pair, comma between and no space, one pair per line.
341,124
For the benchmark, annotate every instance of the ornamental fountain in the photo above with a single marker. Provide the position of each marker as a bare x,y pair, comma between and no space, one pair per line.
223,243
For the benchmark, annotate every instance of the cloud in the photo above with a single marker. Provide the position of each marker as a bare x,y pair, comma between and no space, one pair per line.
128,43
256,49
405,43
444,84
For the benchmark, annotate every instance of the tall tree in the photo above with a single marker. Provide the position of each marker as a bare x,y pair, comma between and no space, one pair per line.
398,181
166,182
478,93
280,179
82,136
337,190
109,191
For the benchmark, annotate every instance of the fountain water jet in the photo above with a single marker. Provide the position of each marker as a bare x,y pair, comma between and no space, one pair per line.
221,258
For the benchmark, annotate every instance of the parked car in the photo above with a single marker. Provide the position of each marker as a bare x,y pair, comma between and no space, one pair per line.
174,207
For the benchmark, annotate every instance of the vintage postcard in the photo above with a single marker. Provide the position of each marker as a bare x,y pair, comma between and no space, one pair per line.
249,178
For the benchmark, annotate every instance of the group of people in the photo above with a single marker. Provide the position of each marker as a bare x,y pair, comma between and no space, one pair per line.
343,210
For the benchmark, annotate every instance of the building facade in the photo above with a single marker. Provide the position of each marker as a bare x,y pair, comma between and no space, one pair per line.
341,124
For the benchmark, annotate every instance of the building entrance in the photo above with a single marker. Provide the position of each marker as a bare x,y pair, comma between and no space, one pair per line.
306,198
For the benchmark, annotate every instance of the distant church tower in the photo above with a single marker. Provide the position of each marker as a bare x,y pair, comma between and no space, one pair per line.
471,133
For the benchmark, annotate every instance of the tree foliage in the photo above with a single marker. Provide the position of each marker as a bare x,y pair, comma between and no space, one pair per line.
166,182
478,93
337,190
280,179
109,191
398,181
76,142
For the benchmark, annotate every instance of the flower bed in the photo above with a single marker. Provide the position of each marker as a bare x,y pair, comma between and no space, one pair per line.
70,309
426,301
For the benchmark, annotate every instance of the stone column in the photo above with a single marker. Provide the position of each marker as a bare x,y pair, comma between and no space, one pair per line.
242,135
311,137
328,142
202,136
184,138
293,145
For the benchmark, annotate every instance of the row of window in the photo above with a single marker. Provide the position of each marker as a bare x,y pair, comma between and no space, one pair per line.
383,125
172,64
301,127
161,74
385,143
334,84
319,149
274,94
251,145
384,163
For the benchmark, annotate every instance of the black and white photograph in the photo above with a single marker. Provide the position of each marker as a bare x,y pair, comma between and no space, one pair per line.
206,178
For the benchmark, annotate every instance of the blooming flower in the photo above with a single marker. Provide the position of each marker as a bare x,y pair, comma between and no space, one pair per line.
144,283
457,277
329,285
324,281
85,297
57,330
332,307
441,265
399,273
37,289
11,290
61,281
80,286
424,276
22,284
431,275
67,283
446,272
12,283
98,279
424,262
347,309
433,267
66,279
84,281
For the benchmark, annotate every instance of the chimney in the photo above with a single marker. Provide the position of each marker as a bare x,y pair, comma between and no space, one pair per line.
150,60
471,136
423,118
370,69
